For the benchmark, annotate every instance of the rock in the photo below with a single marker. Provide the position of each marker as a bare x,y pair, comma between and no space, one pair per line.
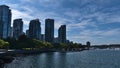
6,59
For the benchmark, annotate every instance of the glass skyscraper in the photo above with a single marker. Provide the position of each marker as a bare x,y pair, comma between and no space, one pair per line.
62,34
17,28
49,30
34,29
5,21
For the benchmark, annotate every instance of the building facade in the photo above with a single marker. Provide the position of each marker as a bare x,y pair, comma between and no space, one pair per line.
5,21
56,40
49,30
17,28
62,34
27,32
34,29
43,37
11,32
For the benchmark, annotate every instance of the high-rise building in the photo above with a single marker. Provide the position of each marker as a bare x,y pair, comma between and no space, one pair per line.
5,21
49,30
43,37
34,29
56,40
27,32
17,28
62,34
88,43
11,31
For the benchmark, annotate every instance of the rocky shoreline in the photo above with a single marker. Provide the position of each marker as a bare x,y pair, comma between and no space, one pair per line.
6,59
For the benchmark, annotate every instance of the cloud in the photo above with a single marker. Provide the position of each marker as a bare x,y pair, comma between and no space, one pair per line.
112,32
50,3
29,1
100,33
96,36
44,3
83,24
25,17
19,14
85,19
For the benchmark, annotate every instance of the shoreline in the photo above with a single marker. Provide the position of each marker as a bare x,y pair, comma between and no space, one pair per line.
8,56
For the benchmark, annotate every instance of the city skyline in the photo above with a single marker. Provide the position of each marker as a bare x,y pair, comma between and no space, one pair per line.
94,21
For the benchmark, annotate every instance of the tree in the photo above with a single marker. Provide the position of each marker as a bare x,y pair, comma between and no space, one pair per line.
4,44
48,45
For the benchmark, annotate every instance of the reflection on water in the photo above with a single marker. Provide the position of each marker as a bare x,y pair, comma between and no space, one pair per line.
84,59
44,60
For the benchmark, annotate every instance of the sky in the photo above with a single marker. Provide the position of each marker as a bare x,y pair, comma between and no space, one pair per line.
97,21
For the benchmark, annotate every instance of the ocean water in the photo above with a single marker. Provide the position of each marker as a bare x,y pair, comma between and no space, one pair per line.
83,59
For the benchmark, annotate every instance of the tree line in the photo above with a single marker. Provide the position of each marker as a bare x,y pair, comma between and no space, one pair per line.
23,42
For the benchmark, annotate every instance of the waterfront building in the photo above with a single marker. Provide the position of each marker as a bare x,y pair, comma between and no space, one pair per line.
27,32
67,41
34,29
56,40
5,21
62,34
11,32
17,28
43,37
88,43
49,30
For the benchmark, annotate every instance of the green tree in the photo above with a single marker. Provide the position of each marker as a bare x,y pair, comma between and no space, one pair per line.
4,44
48,45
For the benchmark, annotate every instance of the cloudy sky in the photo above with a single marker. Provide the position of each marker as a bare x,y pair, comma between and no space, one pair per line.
97,21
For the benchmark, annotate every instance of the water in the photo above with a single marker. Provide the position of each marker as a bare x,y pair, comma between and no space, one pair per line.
83,59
